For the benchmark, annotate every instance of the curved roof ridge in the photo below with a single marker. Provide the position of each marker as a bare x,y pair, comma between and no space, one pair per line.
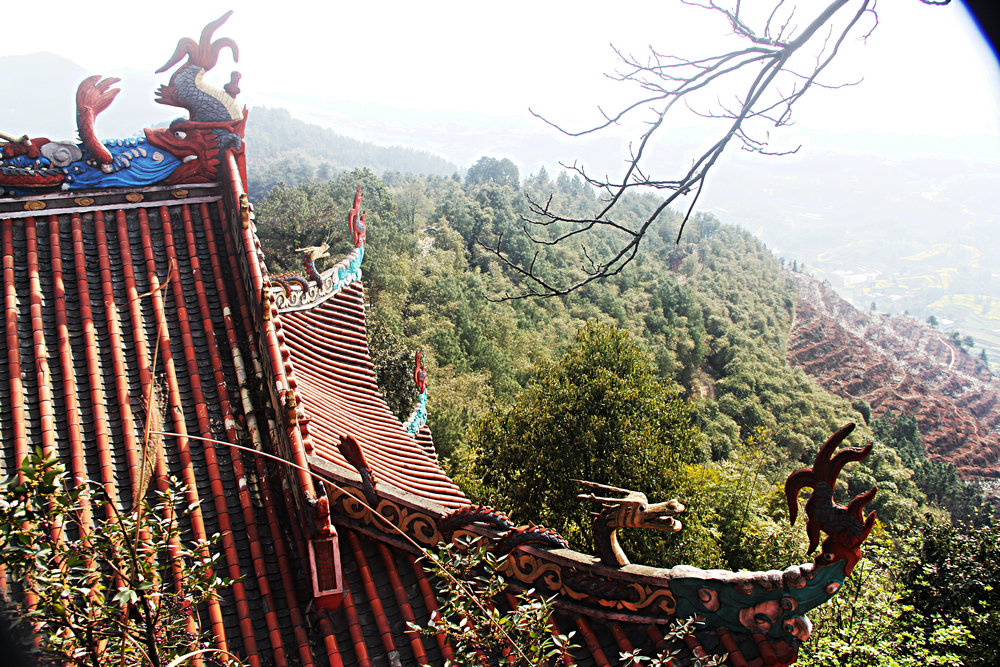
335,380
295,292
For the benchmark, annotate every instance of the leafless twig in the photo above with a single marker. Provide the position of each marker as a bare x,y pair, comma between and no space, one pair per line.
781,60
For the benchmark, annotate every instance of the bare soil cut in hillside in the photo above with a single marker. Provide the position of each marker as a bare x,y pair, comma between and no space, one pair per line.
896,363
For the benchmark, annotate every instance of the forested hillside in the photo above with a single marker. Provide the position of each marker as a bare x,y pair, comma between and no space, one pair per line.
670,378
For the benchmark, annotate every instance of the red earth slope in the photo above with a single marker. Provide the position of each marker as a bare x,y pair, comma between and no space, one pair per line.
896,363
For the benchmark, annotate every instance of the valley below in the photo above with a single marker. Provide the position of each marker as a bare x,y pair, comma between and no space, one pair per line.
896,363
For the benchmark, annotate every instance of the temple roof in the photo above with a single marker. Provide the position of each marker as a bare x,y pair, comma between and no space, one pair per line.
334,376
156,278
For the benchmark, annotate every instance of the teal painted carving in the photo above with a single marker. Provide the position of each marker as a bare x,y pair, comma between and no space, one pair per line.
418,417
774,603
351,272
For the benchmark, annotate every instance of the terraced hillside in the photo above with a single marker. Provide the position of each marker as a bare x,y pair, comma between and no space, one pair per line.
896,363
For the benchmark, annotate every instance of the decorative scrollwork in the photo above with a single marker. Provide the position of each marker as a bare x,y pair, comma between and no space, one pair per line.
419,526
582,585
299,296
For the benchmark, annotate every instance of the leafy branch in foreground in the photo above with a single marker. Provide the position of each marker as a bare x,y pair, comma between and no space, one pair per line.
674,636
872,621
123,594
480,632
476,636
782,54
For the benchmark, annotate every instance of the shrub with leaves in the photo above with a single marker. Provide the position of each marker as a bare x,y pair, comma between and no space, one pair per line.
674,638
472,617
598,414
953,581
122,593
869,623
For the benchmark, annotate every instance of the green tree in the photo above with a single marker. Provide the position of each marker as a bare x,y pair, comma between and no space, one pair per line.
393,366
123,594
492,170
864,409
867,622
900,432
965,502
598,414
938,480
736,518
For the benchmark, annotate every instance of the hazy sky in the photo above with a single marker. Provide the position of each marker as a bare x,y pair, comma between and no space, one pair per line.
926,69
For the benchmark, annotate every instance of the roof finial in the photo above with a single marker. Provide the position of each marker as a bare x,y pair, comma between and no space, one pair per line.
188,90
356,220
846,527
420,374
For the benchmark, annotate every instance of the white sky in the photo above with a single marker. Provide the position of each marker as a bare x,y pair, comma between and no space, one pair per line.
926,69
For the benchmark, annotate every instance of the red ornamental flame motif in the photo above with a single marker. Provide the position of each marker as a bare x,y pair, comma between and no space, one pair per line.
356,221
846,527
203,53
420,375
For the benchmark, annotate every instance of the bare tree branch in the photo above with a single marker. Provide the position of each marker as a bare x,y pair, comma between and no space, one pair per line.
779,63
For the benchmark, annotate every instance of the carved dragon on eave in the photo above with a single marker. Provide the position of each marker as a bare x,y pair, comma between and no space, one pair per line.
772,603
632,511
309,256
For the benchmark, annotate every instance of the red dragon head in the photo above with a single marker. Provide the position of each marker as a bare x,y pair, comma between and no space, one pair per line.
200,147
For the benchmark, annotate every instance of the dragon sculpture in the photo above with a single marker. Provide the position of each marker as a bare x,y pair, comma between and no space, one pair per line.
418,417
846,527
309,256
772,603
632,511
188,151
508,536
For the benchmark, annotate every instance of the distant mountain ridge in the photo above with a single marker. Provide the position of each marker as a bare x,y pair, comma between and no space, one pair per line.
282,148
897,363
39,92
